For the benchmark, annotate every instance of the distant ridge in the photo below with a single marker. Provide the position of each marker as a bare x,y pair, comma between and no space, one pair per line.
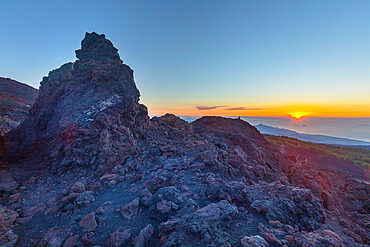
16,98
265,129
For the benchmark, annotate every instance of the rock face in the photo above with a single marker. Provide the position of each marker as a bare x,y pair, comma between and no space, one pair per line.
88,222
16,98
109,176
87,112
7,218
8,184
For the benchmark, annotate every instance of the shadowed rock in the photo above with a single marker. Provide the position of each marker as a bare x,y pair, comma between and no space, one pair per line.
87,112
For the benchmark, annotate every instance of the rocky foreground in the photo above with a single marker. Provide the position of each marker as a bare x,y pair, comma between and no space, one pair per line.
89,168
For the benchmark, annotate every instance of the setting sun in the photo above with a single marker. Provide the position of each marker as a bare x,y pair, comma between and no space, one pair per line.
297,115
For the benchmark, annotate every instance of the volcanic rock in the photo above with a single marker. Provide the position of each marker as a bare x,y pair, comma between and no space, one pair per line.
254,241
88,222
8,184
86,111
129,210
144,235
119,238
8,238
15,101
7,217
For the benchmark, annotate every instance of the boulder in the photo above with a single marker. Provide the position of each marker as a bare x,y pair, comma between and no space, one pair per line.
8,184
88,222
144,235
129,211
54,237
271,238
211,222
7,217
72,241
105,208
77,187
166,202
145,196
119,238
254,241
84,198
8,238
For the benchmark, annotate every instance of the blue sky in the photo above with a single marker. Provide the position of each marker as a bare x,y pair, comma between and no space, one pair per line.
251,54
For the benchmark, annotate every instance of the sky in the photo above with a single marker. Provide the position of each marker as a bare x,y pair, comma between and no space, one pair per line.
230,58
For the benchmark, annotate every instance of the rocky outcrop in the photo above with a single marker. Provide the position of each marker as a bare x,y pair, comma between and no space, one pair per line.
87,112
120,179
16,99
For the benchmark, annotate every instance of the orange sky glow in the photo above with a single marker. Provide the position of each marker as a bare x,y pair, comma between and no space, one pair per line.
295,111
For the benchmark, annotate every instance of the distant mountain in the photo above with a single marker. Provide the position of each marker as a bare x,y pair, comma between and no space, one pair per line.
16,98
265,129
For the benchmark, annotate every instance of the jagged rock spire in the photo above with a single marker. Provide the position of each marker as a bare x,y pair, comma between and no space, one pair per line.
95,46
90,105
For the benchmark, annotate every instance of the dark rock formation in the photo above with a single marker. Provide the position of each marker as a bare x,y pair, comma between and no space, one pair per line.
15,101
118,179
87,112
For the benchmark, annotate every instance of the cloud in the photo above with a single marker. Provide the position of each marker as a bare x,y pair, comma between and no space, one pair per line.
203,108
243,109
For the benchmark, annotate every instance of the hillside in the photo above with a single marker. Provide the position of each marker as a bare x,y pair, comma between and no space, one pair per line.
357,156
88,167
269,130
16,98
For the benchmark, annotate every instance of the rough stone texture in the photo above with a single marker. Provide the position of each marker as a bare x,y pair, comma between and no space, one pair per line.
90,105
54,237
119,238
129,210
71,241
7,217
166,202
16,98
8,184
88,222
144,235
77,187
8,238
254,241
287,204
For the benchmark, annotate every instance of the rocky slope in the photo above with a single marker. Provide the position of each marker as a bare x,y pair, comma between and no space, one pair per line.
88,168
15,101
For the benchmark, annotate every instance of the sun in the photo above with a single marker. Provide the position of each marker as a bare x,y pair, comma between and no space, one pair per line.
297,115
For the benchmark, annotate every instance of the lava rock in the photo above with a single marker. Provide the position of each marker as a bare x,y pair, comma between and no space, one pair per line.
144,235
129,211
88,222
119,238
166,202
8,184
254,241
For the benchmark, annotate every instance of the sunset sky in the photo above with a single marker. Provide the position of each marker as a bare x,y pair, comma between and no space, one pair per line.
231,58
